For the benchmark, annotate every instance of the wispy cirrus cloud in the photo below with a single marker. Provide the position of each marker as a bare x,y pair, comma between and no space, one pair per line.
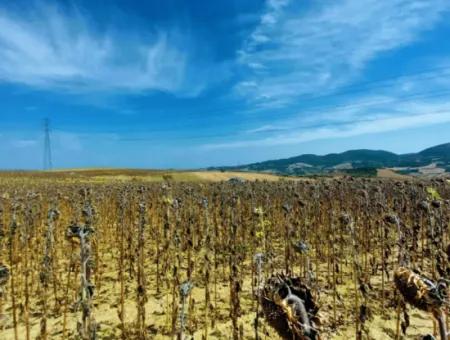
367,125
54,48
297,50
404,103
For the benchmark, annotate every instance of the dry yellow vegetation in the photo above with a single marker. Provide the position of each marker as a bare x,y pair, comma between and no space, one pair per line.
136,175
389,173
343,237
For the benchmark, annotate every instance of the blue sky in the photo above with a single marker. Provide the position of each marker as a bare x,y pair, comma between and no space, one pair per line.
187,84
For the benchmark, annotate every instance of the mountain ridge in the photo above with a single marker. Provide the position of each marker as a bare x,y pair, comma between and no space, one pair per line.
436,157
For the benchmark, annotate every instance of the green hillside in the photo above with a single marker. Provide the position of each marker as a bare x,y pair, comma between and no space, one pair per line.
351,161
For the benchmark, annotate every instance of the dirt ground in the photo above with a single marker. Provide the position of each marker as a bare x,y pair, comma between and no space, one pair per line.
381,326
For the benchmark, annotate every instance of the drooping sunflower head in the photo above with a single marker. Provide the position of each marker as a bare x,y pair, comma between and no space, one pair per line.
289,307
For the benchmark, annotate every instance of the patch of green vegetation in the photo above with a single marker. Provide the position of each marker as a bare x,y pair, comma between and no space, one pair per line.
433,194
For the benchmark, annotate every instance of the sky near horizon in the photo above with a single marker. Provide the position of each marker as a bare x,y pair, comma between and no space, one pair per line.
187,84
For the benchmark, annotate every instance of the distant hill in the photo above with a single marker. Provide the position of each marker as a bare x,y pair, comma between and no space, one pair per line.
439,152
431,161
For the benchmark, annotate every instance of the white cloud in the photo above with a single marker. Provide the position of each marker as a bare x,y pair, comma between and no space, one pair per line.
302,50
389,107
48,47
266,128
363,127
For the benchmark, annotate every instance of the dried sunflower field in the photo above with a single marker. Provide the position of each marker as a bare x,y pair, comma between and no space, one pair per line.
338,258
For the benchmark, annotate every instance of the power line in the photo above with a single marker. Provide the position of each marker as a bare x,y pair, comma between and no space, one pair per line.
148,136
307,101
311,103
47,146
